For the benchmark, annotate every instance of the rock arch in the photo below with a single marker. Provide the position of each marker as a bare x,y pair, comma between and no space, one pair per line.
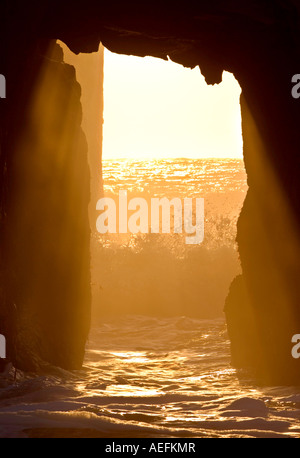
259,43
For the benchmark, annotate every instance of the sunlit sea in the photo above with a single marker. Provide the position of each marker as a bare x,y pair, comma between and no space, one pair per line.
159,274
149,377
221,182
161,374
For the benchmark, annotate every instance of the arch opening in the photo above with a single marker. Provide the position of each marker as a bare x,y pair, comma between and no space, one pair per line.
217,41
156,146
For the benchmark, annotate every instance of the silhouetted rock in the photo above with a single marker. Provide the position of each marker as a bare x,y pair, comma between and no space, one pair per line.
45,244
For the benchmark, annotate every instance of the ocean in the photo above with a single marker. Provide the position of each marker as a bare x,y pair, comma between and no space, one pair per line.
159,274
157,360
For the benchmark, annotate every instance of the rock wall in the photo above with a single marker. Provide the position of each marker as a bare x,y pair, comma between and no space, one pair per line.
89,74
262,308
45,236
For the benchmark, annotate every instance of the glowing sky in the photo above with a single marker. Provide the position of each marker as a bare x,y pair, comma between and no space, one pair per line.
154,108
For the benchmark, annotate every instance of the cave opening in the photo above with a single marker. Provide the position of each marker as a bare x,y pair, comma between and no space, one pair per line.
155,373
255,246
167,134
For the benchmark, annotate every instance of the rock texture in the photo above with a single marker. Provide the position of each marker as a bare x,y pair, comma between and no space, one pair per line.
45,233
89,69
258,41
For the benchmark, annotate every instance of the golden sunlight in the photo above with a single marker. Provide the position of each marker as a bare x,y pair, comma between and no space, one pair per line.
158,109
150,223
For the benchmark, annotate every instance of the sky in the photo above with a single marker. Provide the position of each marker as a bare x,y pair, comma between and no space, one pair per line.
158,109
